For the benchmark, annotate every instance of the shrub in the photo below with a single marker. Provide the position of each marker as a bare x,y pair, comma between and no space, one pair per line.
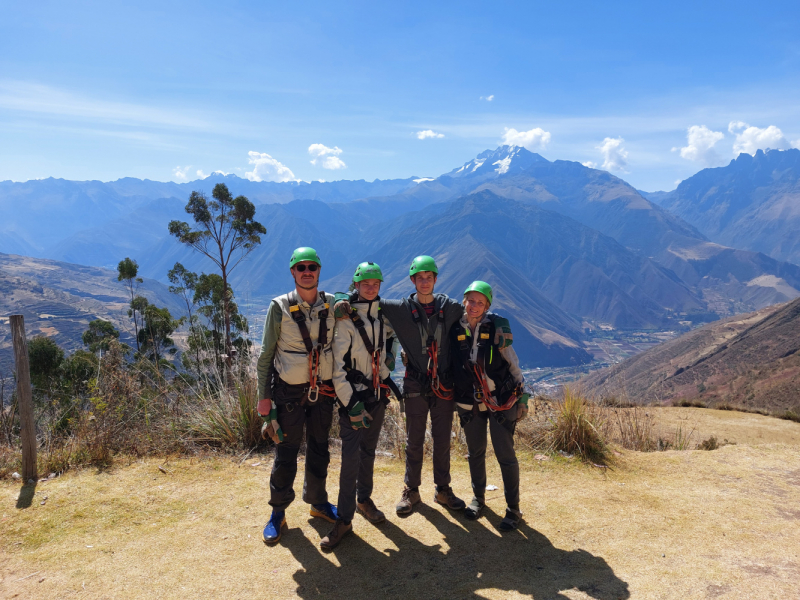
576,429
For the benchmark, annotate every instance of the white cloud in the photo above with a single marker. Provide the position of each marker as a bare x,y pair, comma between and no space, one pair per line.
535,139
700,141
328,158
615,157
180,173
201,174
750,139
428,133
266,168
488,98
590,164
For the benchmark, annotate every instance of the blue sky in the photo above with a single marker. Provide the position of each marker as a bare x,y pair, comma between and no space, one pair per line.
169,89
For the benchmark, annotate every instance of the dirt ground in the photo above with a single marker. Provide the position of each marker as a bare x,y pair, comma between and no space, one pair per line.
692,524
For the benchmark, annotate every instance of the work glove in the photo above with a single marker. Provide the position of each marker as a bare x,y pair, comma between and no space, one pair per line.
359,417
270,429
522,407
341,305
503,337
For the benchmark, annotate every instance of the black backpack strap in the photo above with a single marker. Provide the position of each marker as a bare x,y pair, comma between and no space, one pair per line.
300,319
322,339
362,331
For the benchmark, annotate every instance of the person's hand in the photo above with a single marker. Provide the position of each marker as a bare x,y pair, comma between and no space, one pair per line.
341,309
264,406
522,407
359,417
270,429
503,337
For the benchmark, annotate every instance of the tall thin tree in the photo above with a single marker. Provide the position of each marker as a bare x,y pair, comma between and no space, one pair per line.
127,271
224,231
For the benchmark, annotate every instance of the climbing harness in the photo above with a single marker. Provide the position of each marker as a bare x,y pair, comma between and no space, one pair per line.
430,345
377,386
481,389
316,386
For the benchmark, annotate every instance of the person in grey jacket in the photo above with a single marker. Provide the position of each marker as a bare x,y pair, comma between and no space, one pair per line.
361,344
295,390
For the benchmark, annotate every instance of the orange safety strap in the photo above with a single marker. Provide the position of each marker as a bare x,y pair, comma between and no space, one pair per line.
437,388
485,395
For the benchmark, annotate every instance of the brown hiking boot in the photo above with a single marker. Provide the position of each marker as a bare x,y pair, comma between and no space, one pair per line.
407,501
446,497
340,529
370,512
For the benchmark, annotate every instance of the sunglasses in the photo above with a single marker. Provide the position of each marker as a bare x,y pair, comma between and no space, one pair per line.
300,268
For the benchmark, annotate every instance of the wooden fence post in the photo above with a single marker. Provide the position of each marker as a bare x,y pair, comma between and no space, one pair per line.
24,397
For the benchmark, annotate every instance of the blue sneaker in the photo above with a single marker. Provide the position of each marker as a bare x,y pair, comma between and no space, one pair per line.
272,532
325,511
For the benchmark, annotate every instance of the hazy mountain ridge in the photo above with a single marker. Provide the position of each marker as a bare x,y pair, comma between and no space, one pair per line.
753,203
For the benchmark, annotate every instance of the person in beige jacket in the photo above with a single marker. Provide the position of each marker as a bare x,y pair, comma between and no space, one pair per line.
295,390
362,344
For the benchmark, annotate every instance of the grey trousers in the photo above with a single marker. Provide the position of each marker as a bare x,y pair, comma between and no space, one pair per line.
441,411
503,444
358,461
316,420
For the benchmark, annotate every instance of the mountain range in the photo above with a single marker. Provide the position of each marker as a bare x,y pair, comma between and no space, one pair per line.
568,247
753,203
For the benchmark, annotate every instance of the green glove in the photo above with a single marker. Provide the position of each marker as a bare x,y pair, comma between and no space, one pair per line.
522,406
359,417
271,429
503,337
341,305
389,360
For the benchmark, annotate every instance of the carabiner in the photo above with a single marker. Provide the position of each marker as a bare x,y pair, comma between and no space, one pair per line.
315,391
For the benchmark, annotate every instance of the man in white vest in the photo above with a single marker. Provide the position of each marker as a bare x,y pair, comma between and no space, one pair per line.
296,391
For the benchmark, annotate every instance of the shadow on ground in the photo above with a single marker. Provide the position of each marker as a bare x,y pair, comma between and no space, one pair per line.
478,558
26,494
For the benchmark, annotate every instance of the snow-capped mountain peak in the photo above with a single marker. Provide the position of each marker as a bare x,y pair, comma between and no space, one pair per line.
492,163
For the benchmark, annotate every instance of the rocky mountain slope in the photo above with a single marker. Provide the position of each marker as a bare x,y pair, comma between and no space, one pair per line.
750,360
753,203
59,299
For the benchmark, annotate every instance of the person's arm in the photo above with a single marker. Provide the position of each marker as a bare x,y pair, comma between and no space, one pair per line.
272,331
342,341
391,308
513,363
389,351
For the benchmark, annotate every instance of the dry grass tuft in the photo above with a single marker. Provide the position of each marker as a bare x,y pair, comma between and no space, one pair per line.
577,427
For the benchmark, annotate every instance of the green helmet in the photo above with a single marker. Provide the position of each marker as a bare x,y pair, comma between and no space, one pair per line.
368,270
302,254
423,263
481,287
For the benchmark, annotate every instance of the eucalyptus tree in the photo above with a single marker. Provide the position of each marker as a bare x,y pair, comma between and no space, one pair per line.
128,271
224,231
